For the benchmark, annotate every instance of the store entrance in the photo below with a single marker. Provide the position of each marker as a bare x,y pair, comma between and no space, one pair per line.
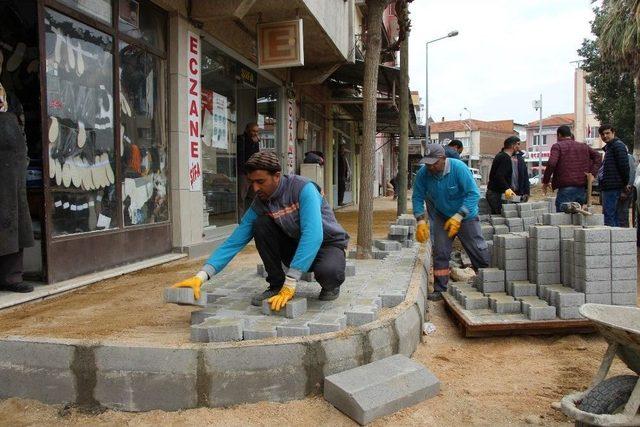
20,76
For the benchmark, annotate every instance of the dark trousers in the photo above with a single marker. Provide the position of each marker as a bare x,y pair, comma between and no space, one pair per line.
276,248
622,209
342,186
11,269
495,202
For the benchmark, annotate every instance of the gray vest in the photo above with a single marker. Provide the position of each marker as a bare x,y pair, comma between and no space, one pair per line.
283,206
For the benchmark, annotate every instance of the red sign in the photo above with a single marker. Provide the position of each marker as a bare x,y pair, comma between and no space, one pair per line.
193,74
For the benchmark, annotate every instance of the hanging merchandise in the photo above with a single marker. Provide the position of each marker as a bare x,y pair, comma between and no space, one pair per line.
53,130
220,139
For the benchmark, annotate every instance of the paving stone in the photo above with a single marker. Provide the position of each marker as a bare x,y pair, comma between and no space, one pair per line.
510,214
503,305
566,297
184,296
521,288
378,254
582,274
490,275
359,315
592,235
556,219
215,330
599,287
629,298
545,278
259,332
588,220
327,323
500,229
567,231
380,388
624,248
515,264
544,232
475,301
293,330
592,261
544,244
514,242
524,207
543,256
199,316
547,267
624,261
387,245
294,308
623,234
515,275
568,313
491,287
391,298
514,254
537,309
498,220
598,298
406,219
398,230
624,286
527,214
591,248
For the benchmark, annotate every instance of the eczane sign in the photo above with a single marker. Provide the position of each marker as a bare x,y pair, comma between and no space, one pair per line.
280,44
193,74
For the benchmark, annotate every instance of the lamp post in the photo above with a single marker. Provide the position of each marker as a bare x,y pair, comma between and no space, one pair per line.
537,105
469,143
426,95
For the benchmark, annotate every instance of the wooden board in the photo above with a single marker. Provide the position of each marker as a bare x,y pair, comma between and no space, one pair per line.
471,328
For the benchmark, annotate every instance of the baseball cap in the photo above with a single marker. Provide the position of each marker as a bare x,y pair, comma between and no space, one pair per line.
432,154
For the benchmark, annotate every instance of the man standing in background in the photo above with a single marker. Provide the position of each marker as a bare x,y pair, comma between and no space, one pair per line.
613,176
248,145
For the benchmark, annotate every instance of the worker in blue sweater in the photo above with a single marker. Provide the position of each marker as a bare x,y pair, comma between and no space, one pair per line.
293,225
451,195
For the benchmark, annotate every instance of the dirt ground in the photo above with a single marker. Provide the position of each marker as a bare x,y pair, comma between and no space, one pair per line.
485,381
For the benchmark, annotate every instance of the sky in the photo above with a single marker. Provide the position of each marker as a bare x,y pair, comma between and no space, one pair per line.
506,54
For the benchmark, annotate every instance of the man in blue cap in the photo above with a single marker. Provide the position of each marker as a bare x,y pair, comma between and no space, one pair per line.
451,195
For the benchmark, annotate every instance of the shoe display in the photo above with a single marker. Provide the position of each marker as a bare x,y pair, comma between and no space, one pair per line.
258,298
329,294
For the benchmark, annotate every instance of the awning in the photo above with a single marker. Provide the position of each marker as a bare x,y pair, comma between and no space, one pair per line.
347,83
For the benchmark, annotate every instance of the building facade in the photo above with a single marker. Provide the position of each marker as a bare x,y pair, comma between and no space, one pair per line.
586,123
540,146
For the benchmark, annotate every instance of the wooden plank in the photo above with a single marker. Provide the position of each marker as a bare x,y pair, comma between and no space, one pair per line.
525,327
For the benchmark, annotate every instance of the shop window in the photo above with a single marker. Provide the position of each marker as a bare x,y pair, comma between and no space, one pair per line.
143,21
80,126
99,9
219,129
143,141
268,118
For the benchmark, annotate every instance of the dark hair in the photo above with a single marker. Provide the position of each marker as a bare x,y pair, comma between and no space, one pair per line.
564,131
510,142
249,126
455,143
604,127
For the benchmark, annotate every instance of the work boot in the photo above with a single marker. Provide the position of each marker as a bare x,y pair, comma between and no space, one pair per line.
268,293
329,294
434,296
22,287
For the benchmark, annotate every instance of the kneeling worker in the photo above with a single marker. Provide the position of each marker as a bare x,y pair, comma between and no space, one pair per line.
293,225
452,197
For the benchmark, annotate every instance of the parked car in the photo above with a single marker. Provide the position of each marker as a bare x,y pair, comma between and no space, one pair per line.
476,175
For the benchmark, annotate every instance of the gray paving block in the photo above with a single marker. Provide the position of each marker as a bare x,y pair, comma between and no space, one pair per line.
387,245
391,298
293,330
568,313
537,309
259,333
216,330
378,254
500,229
491,287
592,235
624,286
581,274
198,316
620,234
624,248
504,305
514,242
629,298
398,230
600,287
592,261
490,275
624,273
509,207
475,301
556,219
515,264
514,254
523,207
567,298
591,248
359,315
407,219
544,256
184,296
510,214
624,261
544,232
350,269
566,231
547,267
380,388
544,244
498,220
518,275
521,289
327,323
598,298
527,214
545,278
588,220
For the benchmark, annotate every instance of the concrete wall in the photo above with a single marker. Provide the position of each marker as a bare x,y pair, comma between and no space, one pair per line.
336,18
491,142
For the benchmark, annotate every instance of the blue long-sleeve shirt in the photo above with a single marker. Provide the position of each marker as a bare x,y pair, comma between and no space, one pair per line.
451,192
311,236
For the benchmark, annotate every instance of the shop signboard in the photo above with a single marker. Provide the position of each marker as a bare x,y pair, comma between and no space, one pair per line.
291,136
280,44
193,74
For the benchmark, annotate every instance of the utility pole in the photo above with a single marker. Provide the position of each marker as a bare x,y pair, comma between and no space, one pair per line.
537,104
403,152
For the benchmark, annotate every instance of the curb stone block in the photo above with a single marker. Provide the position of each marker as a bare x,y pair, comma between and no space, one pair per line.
624,273
359,315
624,261
380,388
215,330
391,298
598,298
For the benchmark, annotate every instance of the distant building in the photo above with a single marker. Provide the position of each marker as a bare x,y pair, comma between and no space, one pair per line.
481,140
586,124
418,105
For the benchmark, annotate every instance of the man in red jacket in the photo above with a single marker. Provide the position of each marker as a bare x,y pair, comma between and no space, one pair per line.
569,162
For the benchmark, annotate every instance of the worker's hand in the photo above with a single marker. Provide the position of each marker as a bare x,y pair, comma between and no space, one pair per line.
194,283
545,188
422,231
286,293
453,225
509,194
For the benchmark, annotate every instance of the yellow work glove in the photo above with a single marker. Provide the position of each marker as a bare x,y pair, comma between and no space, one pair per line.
453,225
194,282
422,231
286,293
509,194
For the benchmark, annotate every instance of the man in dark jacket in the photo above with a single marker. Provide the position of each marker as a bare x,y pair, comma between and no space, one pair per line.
454,149
613,177
520,180
15,220
569,163
501,175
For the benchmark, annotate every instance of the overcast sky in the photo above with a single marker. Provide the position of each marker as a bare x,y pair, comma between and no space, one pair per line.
506,54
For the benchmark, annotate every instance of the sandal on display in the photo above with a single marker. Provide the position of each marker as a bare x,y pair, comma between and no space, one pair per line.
54,130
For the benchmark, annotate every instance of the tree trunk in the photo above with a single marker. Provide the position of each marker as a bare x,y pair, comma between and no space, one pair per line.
636,130
403,152
371,62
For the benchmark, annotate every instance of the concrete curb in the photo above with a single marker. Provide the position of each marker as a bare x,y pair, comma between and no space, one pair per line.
140,378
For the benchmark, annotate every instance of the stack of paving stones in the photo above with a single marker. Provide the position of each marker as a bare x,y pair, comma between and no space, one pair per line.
227,313
566,264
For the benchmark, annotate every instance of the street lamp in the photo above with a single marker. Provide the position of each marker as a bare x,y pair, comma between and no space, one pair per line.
426,96
537,105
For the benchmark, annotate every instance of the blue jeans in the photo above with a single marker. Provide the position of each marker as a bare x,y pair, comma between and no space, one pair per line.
470,236
609,207
570,194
